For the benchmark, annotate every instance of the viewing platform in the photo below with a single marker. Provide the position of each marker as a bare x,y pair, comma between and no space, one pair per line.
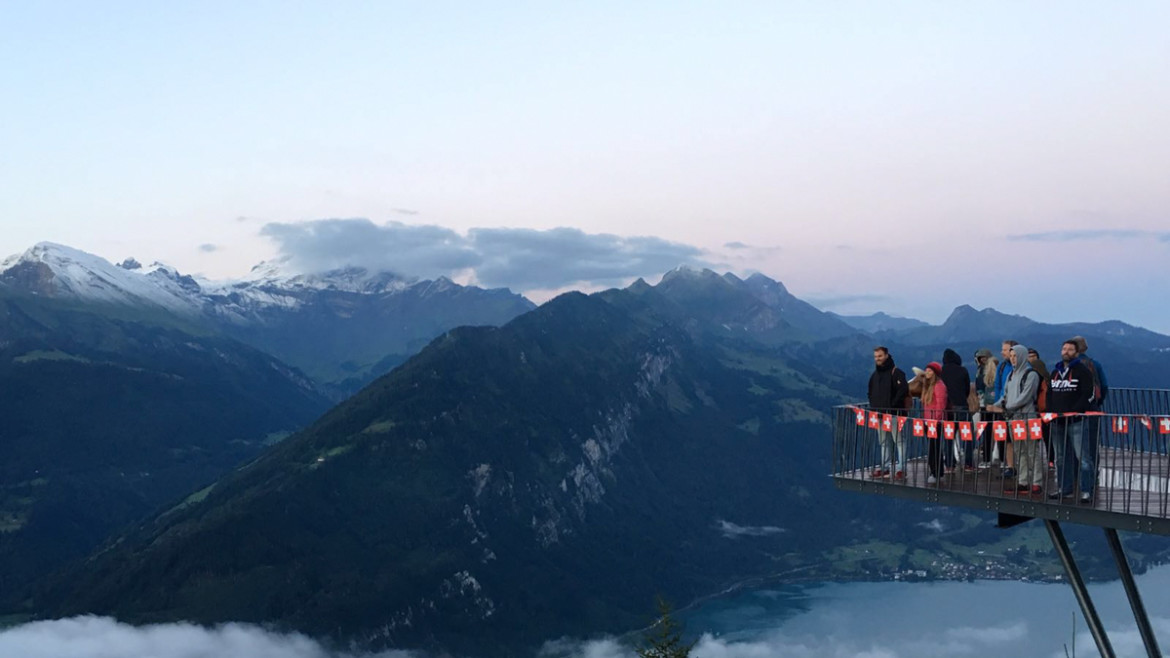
1129,439
1133,466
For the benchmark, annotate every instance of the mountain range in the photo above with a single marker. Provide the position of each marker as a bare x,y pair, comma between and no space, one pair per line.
342,328
502,486
123,387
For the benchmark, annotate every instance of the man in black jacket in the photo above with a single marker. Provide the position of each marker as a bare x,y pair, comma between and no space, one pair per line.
1070,391
958,383
888,392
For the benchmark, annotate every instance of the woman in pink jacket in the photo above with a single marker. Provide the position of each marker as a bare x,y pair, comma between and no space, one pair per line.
934,407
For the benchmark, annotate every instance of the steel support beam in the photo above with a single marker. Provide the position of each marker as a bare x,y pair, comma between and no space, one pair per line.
1079,589
1131,590
1006,520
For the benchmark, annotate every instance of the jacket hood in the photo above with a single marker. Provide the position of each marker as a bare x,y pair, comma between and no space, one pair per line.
1022,358
952,357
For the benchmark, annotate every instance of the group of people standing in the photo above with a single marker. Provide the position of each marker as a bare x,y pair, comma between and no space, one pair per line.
1016,387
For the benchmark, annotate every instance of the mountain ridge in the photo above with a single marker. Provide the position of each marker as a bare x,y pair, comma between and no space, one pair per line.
343,327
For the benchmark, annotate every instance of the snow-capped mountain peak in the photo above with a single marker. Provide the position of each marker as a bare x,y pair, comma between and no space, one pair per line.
54,270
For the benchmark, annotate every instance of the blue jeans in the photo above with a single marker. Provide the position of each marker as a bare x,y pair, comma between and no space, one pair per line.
1076,443
893,446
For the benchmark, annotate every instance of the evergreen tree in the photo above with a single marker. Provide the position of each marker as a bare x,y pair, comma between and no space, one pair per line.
664,639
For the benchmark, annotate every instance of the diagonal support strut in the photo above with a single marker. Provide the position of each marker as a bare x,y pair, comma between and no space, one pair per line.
1131,590
1079,589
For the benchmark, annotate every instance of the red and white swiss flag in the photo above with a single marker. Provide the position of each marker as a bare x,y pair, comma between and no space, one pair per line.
887,422
919,428
901,423
931,429
1121,425
1146,422
1035,429
875,420
860,416
980,427
965,431
948,430
1048,417
1019,430
1164,426
1000,430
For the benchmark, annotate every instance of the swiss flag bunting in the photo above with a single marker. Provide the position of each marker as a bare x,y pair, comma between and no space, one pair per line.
980,426
1000,430
919,428
931,429
860,416
965,431
901,423
1048,417
1146,422
875,420
948,430
1164,426
1120,425
887,422
1019,430
1035,429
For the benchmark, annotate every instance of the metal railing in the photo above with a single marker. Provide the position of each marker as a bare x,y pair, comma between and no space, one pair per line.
1115,462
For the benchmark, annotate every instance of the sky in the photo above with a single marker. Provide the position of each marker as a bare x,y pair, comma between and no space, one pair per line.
907,157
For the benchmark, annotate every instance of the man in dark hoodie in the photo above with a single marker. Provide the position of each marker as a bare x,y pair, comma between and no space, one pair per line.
1070,391
887,393
958,383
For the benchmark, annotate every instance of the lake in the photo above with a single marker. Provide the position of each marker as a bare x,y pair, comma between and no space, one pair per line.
923,619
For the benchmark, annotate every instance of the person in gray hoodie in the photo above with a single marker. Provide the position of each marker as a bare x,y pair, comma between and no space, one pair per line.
1019,403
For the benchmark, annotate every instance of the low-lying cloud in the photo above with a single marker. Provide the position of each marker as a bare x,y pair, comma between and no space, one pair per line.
732,530
517,258
961,641
102,637
825,302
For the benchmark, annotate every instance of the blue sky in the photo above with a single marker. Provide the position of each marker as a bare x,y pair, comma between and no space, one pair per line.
902,156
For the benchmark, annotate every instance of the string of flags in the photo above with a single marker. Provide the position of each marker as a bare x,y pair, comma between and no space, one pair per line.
1019,430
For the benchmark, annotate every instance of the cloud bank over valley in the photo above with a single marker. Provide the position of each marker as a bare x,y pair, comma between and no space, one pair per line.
517,258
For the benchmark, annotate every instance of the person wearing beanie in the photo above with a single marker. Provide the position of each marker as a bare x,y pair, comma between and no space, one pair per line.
934,407
1100,391
1039,366
1037,363
958,382
1020,404
1070,391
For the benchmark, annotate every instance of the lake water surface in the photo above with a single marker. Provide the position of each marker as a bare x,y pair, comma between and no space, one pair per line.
997,619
